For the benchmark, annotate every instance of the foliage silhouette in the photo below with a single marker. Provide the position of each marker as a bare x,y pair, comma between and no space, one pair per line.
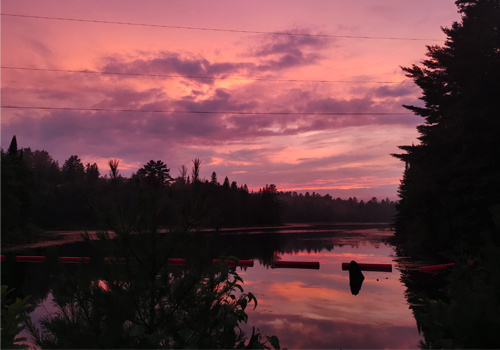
449,191
450,184
13,314
138,300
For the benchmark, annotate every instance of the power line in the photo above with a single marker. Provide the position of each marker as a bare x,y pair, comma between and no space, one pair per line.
201,77
201,112
215,29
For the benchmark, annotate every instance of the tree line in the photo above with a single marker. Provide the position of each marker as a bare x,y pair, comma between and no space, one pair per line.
317,208
39,194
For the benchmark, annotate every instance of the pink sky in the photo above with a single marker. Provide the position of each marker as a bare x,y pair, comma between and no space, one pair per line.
340,155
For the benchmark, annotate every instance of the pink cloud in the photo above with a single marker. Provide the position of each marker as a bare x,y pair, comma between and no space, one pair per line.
317,152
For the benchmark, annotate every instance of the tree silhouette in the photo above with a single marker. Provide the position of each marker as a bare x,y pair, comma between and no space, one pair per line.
213,179
226,183
73,169
155,173
12,150
450,185
195,171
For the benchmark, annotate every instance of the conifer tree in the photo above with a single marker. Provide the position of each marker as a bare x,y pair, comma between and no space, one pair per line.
12,150
214,179
451,181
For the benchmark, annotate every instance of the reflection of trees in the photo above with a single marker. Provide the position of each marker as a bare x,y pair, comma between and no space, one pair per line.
264,246
30,279
458,307
138,300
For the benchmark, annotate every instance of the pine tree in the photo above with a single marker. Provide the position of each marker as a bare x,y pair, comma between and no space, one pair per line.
73,169
451,182
12,150
214,179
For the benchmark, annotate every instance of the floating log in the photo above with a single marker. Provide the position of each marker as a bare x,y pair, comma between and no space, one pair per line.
28,258
74,260
370,267
181,262
435,268
314,265
176,262
243,263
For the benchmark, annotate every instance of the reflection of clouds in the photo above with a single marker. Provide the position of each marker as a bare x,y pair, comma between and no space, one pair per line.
315,309
298,332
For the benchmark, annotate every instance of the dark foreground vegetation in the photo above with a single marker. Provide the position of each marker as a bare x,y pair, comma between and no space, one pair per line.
138,300
450,192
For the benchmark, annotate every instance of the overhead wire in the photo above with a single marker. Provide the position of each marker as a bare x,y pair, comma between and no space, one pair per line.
200,77
215,29
204,77
202,112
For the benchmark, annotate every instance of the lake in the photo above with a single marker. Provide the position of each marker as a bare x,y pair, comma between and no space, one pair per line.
305,308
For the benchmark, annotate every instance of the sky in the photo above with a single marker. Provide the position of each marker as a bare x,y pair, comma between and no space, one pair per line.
242,69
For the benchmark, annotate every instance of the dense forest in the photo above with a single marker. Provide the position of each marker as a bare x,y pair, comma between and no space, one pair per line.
450,191
317,208
38,194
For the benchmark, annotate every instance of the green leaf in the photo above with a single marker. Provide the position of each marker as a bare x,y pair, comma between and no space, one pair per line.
242,315
252,297
231,321
274,342
155,338
243,303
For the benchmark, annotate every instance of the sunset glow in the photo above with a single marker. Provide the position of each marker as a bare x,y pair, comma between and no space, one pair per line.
193,70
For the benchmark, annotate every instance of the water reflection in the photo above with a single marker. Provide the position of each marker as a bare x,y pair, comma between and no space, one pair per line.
308,308
316,309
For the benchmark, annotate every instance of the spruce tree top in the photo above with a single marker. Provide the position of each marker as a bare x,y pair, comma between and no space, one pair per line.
12,151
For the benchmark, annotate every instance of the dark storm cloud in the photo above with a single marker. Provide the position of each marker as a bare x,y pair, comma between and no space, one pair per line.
287,51
273,52
221,100
289,44
395,90
127,98
174,63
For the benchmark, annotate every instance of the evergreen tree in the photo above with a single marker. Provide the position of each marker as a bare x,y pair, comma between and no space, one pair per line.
155,173
12,150
73,169
226,183
91,172
17,186
451,182
214,179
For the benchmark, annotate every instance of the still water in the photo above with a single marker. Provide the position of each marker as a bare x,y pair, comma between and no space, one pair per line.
304,308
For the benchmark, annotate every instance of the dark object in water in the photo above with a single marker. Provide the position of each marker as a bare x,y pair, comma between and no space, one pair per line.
370,267
296,264
356,278
437,268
